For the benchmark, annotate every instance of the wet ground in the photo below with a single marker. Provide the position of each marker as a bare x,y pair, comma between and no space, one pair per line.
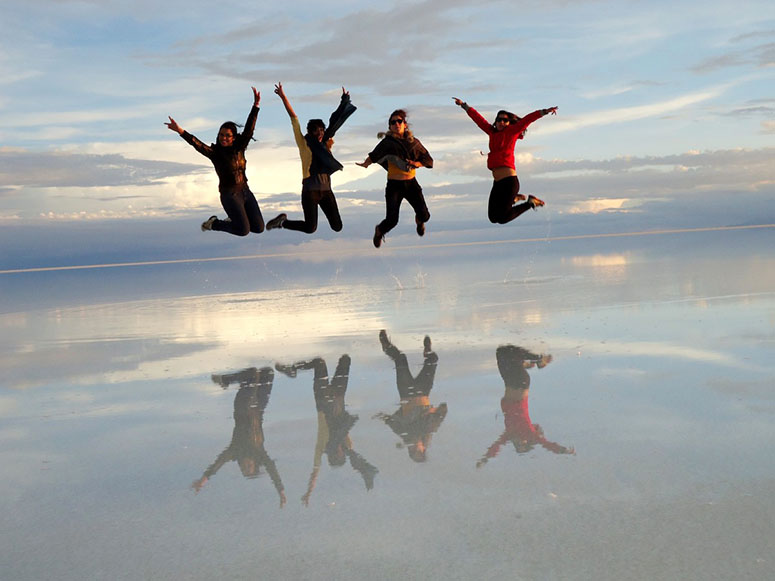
588,408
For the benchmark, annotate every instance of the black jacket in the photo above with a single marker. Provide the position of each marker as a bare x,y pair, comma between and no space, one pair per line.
229,162
323,161
391,148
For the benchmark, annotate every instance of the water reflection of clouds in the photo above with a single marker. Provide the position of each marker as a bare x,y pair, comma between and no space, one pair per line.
89,362
171,337
662,350
662,393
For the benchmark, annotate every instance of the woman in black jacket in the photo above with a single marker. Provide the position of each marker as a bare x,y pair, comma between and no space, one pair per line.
400,153
228,158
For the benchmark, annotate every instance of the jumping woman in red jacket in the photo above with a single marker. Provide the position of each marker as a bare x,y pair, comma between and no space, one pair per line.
504,133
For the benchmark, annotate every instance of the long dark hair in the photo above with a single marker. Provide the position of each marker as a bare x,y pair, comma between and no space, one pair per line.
513,118
234,128
408,135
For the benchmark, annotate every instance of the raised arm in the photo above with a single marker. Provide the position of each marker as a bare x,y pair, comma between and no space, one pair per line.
278,89
250,124
338,117
192,140
222,458
480,121
298,136
493,450
174,126
523,123
460,103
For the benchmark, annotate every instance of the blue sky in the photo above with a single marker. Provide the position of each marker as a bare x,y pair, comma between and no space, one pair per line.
658,102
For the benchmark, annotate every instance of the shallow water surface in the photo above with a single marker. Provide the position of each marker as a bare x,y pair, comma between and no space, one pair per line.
549,411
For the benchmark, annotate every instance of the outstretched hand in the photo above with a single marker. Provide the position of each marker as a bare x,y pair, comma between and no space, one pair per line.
551,111
344,92
278,89
459,102
174,126
256,97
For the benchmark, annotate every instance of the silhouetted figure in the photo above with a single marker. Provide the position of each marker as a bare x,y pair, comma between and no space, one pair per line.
334,421
416,419
247,441
513,363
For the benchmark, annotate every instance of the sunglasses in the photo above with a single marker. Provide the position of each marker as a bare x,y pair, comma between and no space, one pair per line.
503,120
395,121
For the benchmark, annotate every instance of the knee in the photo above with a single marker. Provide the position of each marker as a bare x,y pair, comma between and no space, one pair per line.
497,217
240,228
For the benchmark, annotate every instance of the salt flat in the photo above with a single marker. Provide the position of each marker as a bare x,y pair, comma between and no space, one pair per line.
187,420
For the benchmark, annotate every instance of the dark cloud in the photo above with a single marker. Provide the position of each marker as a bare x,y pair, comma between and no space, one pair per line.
760,55
748,111
387,49
756,34
668,177
55,169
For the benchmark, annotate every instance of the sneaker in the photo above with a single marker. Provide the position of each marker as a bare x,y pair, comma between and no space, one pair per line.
535,202
420,226
208,225
378,237
219,379
518,197
288,370
384,340
276,222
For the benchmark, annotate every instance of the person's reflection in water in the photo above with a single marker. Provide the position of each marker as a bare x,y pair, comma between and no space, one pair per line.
247,441
513,363
334,421
416,419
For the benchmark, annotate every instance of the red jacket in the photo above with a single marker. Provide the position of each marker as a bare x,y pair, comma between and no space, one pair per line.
502,143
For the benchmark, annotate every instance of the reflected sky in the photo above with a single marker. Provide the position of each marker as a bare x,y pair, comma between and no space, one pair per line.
400,410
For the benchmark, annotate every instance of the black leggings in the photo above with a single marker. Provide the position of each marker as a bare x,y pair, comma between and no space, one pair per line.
243,212
310,200
501,208
511,364
396,192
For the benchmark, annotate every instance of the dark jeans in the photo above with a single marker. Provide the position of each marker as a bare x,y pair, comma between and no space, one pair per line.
511,364
501,208
243,212
408,385
310,200
396,192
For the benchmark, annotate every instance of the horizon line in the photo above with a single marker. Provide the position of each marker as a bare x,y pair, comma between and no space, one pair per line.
397,248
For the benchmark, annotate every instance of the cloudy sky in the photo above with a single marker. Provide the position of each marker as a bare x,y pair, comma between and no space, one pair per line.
658,101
